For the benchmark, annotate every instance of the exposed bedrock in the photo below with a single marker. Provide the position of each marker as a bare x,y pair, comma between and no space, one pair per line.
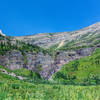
44,64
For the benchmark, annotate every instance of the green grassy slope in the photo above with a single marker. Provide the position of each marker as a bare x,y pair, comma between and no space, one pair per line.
14,89
85,71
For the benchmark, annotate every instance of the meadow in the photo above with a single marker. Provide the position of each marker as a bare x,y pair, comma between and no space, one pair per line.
28,91
13,89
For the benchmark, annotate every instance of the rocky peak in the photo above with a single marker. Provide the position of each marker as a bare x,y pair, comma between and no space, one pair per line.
1,33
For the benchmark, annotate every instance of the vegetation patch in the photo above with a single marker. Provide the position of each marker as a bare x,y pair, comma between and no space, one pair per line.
85,71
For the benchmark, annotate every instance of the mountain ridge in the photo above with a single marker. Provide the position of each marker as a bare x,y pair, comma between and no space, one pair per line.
47,40
95,24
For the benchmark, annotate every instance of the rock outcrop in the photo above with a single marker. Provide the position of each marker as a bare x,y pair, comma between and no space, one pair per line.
12,74
41,63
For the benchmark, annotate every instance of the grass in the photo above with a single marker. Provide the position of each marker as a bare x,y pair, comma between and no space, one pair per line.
28,91
13,89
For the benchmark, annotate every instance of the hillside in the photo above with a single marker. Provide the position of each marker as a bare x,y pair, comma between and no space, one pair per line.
11,88
51,66
81,37
85,71
45,53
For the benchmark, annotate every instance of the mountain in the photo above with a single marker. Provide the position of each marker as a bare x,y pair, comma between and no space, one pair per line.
51,66
47,40
46,53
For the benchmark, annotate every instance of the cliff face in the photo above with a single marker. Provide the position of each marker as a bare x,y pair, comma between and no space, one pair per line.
70,46
43,64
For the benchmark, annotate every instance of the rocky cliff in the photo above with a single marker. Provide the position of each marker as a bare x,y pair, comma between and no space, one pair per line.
63,48
44,64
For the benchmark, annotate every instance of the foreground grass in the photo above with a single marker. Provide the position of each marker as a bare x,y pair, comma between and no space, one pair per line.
28,91
13,89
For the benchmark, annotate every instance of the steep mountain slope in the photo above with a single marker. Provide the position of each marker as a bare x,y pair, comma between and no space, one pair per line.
46,40
45,53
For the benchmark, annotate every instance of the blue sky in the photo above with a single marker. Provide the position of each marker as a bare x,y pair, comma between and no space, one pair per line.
27,17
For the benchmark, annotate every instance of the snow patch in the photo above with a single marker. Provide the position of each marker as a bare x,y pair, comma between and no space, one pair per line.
2,33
